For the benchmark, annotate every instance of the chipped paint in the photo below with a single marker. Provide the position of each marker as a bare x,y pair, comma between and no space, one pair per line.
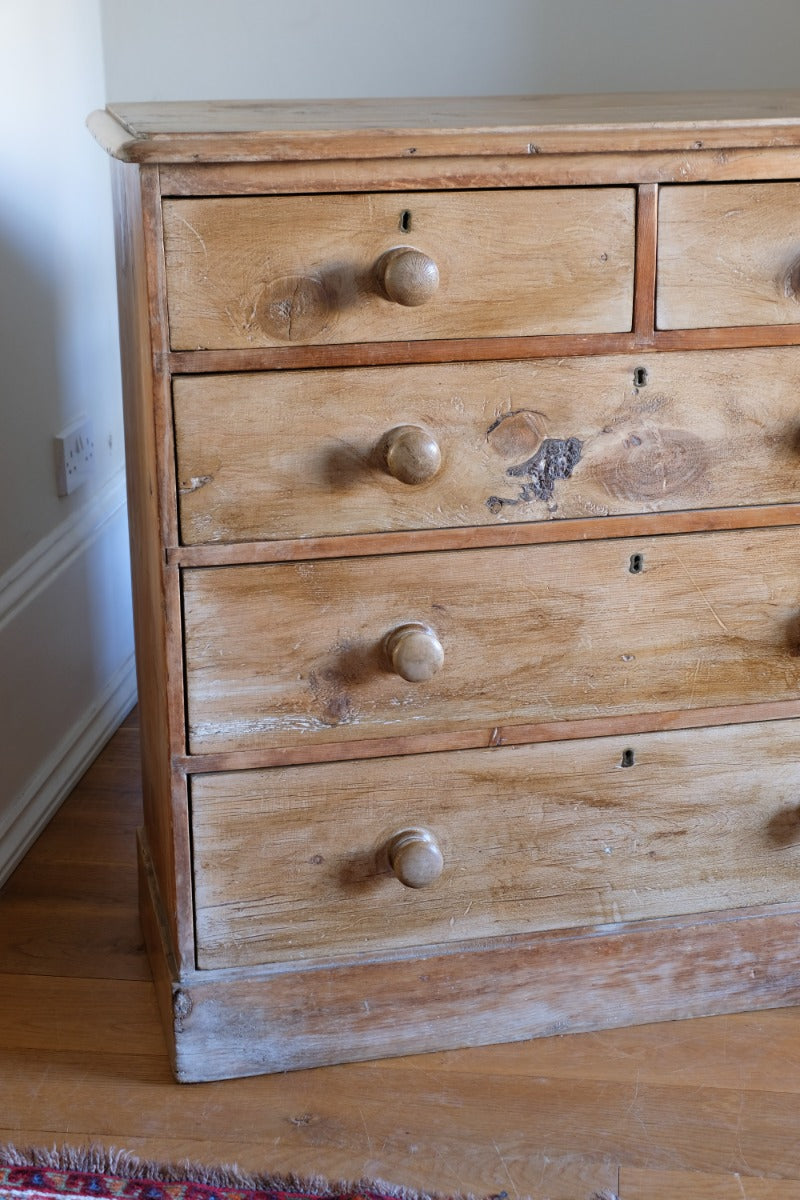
556,458
194,484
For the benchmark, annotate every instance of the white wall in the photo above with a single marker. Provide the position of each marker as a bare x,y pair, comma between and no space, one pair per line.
66,641
192,49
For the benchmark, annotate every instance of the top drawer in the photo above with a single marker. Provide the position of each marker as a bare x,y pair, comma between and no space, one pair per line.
728,254
281,270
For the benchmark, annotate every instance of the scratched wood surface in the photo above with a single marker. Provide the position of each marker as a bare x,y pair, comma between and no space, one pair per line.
580,833
638,1184
728,254
141,387
701,1108
675,629
529,633
283,270
151,488
334,1012
550,439
542,170
512,126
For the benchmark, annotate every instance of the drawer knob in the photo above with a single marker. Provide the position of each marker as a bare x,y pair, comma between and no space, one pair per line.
414,652
408,276
412,455
415,857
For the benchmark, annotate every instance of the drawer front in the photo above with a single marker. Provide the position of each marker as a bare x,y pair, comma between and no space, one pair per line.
283,270
289,653
291,862
728,254
303,453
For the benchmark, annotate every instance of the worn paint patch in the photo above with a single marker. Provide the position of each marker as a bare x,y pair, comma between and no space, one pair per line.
521,433
556,459
194,484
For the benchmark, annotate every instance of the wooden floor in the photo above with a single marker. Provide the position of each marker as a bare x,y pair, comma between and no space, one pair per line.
698,1109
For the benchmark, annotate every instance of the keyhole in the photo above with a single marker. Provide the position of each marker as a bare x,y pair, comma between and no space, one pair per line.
405,221
640,377
628,759
637,564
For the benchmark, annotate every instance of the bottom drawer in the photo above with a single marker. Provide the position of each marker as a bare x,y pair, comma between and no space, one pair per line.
295,863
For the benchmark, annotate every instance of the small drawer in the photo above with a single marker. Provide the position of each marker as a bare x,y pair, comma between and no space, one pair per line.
310,453
387,646
297,270
487,843
728,254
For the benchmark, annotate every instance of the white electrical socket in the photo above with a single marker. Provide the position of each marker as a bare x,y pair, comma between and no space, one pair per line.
74,456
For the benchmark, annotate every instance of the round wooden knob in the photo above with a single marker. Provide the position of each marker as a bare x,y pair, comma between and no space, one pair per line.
408,276
414,652
412,455
415,857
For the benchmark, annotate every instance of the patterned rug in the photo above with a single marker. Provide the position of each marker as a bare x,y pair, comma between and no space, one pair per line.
64,1174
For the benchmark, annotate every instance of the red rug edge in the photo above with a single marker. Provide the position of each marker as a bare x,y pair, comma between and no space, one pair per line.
99,1160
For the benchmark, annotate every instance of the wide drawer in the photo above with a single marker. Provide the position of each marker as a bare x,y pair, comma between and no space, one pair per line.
728,254
309,652
283,270
292,862
304,453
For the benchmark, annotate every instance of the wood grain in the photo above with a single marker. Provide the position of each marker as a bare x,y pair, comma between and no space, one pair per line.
510,262
638,1184
646,255
31,944
747,1052
347,1011
728,255
134,250
529,633
525,259
555,1117
580,833
279,358
491,736
547,440
81,870
465,171
474,537
521,734
511,126
152,521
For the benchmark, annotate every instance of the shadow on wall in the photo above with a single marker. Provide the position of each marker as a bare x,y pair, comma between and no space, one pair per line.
65,609
32,396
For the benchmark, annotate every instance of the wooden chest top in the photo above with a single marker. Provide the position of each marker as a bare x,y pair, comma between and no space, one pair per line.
239,131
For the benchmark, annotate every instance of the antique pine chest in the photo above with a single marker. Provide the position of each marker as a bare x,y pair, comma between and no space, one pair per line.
464,472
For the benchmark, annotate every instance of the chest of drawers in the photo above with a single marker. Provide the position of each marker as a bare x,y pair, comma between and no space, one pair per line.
464,475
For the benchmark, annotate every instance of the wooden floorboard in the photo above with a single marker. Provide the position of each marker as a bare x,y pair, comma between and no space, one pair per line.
678,1185
698,1109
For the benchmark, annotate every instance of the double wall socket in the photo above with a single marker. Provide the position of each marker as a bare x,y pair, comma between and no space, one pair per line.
74,456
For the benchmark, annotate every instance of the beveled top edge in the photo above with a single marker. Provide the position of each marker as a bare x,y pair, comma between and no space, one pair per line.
286,130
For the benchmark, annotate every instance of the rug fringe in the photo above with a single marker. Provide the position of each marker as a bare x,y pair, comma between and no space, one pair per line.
96,1159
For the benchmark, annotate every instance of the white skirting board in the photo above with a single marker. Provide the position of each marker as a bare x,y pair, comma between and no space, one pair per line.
68,676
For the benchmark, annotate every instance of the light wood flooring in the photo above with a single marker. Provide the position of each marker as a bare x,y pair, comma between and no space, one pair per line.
700,1110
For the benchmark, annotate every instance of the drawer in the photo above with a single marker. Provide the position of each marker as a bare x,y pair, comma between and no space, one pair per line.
303,453
728,254
283,270
388,646
296,861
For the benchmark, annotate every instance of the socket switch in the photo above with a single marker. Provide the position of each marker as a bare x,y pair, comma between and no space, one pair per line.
74,456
